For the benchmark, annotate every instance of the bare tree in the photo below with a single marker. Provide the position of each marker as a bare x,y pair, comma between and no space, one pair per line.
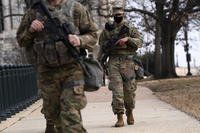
169,16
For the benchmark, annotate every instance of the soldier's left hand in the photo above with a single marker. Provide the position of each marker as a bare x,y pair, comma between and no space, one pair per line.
74,40
122,41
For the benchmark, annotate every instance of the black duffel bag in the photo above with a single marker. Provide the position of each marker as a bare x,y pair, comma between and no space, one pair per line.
94,78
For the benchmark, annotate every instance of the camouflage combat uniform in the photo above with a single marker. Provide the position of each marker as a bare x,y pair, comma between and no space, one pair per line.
60,75
121,67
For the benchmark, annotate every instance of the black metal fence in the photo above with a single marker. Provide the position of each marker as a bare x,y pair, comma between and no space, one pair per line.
18,89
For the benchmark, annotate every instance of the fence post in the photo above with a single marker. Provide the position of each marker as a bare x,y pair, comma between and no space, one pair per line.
18,89
2,100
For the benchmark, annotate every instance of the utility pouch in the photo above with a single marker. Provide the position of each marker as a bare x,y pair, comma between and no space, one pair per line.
128,73
139,69
139,72
31,55
51,54
39,49
62,52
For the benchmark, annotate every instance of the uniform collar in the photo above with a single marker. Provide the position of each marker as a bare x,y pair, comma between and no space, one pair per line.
119,24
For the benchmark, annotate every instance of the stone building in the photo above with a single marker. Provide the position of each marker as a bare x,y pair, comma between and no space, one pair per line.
10,16
11,12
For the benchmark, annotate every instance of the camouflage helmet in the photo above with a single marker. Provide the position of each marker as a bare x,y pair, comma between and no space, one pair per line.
118,10
118,7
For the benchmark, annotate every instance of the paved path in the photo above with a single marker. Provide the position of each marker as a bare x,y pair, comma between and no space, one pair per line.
151,116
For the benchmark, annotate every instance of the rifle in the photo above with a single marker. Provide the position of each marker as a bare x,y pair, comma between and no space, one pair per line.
109,47
59,32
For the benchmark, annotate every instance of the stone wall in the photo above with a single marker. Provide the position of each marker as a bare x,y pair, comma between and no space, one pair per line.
10,51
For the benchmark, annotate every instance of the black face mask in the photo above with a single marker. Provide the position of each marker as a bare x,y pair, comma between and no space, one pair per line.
118,19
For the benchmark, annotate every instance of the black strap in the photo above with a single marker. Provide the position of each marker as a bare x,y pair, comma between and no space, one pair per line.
71,84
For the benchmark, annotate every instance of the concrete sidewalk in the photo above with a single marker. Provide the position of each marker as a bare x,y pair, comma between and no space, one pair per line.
151,116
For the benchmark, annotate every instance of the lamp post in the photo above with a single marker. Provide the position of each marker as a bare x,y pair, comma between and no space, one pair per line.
186,48
177,65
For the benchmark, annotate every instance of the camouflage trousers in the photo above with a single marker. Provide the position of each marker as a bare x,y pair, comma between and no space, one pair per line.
121,73
63,97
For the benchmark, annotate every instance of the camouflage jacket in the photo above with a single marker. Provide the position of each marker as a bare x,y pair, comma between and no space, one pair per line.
134,41
39,47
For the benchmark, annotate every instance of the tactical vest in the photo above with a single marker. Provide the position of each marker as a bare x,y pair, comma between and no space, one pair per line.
121,49
47,51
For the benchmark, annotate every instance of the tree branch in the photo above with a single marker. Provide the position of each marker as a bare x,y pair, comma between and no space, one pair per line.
195,10
141,11
12,15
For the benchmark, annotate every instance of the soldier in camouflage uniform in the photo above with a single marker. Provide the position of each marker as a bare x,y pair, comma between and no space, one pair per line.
120,66
61,77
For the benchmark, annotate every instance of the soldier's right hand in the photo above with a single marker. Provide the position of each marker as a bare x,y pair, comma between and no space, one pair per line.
122,41
36,26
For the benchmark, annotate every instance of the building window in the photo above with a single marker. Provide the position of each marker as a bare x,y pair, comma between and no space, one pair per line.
12,13
17,12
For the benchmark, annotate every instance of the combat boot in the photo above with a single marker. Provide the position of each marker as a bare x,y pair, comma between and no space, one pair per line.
120,121
130,119
50,129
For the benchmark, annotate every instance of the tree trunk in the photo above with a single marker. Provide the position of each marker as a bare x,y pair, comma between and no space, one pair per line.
157,64
158,67
168,62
